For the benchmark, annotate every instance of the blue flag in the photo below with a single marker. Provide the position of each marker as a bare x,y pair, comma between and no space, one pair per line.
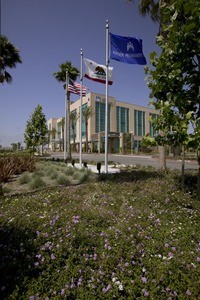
127,49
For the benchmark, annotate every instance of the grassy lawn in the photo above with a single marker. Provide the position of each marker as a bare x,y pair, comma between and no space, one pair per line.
132,235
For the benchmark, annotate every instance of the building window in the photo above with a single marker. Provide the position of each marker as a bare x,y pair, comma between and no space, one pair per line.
152,132
100,117
139,122
84,106
122,119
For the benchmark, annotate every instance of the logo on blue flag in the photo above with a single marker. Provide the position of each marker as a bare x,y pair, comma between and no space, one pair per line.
127,49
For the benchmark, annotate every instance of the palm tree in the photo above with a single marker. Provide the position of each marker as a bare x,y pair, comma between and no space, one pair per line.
60,76
53,136
73,118
87,113
9,57
153,9
149,7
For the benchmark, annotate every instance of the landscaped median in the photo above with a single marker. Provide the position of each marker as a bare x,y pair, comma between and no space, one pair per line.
129,235
43,174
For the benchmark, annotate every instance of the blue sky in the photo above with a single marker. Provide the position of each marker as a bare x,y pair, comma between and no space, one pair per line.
49,32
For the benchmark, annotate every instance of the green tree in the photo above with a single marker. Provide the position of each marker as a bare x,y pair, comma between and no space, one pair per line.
9,57
14,147
87,113
60,76
174,81
36,130
154,8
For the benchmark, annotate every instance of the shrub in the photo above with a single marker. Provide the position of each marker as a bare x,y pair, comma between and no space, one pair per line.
24,178
37,173
83,176
48,170
15,164
68,171
36,182
54,175
63,180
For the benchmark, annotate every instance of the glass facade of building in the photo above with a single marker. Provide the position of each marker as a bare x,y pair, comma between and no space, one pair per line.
100,117
139,122
122,119
84,106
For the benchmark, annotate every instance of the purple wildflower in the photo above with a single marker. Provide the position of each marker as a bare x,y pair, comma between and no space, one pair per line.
144,279
79,281
75,219
170,255
62,291
188,292
145,292
36,264
53,256
105,290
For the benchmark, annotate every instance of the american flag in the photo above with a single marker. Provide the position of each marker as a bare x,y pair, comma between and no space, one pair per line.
75,88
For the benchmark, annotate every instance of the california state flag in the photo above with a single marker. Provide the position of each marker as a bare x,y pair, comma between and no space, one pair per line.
97,72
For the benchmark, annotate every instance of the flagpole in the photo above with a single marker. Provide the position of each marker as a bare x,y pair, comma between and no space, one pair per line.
65,128
81,96
106,108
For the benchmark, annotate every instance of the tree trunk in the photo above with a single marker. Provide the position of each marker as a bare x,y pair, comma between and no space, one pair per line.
183,169
162,157
74,140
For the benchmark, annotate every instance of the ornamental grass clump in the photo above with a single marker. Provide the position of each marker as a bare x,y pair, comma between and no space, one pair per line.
38,173
63,180
53,175
69,171
48,170
36,182
84,175
24,178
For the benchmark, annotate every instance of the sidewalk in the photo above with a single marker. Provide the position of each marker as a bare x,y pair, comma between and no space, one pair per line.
93,168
